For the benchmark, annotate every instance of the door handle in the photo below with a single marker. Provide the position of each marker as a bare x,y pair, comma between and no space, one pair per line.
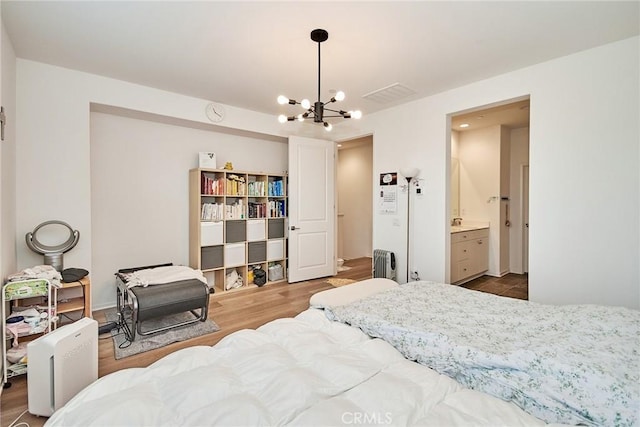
293,227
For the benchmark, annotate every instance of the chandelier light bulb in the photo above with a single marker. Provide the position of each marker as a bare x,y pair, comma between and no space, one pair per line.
339,96
283,100
282,118
356,114
327,126
301,117
306,104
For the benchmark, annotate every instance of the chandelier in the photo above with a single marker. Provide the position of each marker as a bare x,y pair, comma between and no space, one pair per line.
318,109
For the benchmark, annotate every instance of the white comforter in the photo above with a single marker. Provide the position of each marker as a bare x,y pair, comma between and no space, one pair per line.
303,371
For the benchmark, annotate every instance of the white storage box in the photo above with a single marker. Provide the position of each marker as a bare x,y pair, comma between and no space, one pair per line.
275,249
211,233
256,230
276,273
234,255
207,160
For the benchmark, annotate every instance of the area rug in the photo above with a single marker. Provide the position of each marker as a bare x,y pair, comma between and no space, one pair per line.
339,282
150,342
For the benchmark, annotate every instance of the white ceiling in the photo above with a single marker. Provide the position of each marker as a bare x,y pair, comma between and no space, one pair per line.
247,53
512,115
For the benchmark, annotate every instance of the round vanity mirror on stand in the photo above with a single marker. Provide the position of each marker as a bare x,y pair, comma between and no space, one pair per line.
52,253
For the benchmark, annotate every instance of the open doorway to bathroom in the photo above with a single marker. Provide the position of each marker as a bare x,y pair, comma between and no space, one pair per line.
489,184
354,169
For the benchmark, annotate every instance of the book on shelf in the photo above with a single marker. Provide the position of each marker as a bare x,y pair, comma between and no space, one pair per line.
236,185
277,209
256,210
211,186
212,212
276,188
255,189
235,210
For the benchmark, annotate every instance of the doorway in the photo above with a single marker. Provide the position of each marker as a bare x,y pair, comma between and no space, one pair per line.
354,188
492,187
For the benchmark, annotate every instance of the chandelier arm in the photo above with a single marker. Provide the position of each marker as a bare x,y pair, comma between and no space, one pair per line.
344,117
342,112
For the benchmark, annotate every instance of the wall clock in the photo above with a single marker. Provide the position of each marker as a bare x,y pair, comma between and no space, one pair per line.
215,112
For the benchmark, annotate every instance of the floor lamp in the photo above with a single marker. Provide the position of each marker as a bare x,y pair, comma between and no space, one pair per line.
409,174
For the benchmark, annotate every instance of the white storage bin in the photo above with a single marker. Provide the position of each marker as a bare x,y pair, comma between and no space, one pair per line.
275,249
256,229
211,233
234,255
276,273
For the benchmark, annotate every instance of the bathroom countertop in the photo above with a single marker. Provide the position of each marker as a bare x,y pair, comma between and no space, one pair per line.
461,228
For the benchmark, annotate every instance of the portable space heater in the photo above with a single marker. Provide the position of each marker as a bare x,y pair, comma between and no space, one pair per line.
60,364
384,264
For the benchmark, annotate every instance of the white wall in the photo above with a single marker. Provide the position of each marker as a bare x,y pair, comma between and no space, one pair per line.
355,189
505,162
54,151
584,177
519,158
7,161
8,158
454,184
479,155
140,190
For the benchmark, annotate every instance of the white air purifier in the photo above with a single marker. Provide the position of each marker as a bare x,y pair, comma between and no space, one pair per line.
60,364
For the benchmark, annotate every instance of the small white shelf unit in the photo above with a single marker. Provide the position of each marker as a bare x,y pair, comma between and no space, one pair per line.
19,296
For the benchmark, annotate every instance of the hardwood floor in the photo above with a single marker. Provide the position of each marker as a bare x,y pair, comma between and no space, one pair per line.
510,285
232,311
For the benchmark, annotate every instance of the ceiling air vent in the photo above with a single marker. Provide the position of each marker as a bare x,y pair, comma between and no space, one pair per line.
391,93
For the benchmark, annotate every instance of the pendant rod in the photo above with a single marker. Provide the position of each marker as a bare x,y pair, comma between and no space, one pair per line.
318,72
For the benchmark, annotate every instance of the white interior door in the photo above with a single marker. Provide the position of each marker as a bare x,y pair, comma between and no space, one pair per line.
312,214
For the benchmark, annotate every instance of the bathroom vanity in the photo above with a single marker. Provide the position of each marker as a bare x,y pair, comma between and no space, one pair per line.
469,253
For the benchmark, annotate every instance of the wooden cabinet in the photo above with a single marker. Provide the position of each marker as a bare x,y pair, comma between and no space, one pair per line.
73,301
469,255
237,222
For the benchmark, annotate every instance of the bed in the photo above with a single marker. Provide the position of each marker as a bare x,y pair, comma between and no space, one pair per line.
308,370
574,364
144,293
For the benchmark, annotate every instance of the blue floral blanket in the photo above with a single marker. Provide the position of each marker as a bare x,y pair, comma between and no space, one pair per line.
572,364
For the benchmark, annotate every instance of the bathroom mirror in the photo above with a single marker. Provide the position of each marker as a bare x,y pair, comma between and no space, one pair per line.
455,188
